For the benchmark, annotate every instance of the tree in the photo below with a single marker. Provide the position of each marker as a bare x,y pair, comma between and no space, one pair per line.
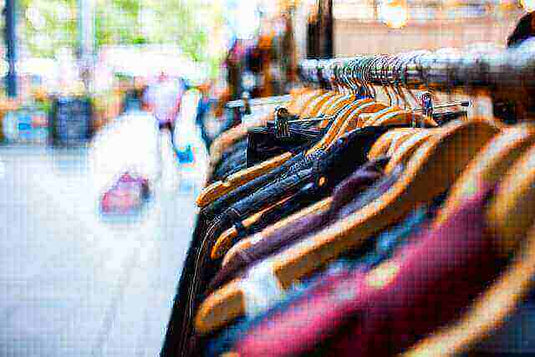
46,25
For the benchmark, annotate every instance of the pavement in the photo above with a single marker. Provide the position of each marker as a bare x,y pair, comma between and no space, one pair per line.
74,283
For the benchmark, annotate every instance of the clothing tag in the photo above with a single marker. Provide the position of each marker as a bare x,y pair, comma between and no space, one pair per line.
261,289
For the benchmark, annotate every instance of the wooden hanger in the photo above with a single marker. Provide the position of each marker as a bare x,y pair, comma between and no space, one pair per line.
371,118
318,207
358,118
511,211
219,188
433,169
302,102
225,240
402,117
406,150
335,106
490,166
339,105
511,219
351,122
313,107
299,103
385,116
383,143
397,142
343,122
223,141
374,118
489,311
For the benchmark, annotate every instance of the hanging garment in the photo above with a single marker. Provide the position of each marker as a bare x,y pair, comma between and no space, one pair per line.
384,311
298,230
347,154
333,165
322,283
263,143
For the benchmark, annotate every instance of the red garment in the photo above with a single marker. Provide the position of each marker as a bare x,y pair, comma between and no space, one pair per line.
388,309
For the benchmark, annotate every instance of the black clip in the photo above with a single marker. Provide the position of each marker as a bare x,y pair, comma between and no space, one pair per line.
282,125
427,104
283,119
246,109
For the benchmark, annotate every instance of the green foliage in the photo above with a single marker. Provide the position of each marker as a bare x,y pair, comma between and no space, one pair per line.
55,24
46,25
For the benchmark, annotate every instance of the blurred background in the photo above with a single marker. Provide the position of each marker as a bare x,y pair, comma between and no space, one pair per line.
79,139
92,48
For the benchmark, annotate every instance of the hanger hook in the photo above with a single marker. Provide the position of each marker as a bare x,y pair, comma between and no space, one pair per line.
369,67
351,76
380,67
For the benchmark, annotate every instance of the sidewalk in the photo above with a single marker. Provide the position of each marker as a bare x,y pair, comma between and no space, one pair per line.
73,284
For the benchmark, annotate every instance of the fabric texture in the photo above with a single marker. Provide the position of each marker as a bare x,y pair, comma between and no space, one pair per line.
262,144
322,283
342,158
386,310
344,192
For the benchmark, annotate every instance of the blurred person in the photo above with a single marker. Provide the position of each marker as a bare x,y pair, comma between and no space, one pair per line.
163,99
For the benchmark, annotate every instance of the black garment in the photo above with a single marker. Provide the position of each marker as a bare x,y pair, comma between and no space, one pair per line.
257,201
232,157
294,164
239,146
332,166
234,149
524,29
263,145
260,145
232,164
306,196
351,189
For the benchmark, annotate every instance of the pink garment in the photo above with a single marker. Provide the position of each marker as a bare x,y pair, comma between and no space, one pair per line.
386,310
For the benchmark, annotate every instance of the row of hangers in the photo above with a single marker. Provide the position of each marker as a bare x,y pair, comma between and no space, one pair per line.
398,75
481,66
478,66
463,156
466,156
436,158
352,116
341,106
347,115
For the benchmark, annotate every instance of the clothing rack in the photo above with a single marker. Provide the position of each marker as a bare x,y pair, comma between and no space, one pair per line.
380,171
258,101
443,69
